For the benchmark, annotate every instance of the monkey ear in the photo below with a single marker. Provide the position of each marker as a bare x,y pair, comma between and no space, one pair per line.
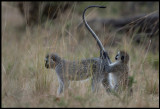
122,58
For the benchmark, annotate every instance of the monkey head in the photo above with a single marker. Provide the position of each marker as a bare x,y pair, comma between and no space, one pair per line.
122,56
51,60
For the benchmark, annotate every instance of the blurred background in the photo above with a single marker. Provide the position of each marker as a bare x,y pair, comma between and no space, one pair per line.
30,30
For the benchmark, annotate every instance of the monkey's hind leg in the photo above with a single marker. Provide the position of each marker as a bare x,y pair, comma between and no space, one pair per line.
105,83
95,84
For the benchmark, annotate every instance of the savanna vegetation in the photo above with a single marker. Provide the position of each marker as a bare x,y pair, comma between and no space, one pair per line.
27,83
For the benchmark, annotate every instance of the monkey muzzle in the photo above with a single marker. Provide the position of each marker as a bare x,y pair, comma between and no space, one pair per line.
46,64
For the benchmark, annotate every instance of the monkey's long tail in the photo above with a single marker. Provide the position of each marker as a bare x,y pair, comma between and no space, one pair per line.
103,53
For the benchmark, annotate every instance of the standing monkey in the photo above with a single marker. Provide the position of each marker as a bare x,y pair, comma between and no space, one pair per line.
74,71
117,74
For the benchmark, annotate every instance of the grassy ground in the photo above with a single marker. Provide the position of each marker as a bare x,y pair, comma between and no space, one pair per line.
27,83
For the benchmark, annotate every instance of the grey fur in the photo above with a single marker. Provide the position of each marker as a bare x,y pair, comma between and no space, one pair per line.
75,71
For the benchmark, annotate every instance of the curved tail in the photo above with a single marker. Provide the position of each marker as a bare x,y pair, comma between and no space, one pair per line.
103,53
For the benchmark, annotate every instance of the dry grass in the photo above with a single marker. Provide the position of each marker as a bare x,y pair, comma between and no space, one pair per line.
27,83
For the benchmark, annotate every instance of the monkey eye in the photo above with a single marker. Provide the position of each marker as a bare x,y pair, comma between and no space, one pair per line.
122,58
116,57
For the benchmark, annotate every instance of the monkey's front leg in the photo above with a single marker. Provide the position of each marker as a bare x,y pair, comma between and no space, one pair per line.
63,84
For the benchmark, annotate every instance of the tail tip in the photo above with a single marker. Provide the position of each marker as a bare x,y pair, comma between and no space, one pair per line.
102,7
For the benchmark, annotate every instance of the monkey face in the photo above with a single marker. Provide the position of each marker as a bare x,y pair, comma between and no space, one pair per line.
118,56
122,56
49,62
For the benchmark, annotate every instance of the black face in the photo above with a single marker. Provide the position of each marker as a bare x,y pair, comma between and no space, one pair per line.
49,63
116,57
122,57
46,59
